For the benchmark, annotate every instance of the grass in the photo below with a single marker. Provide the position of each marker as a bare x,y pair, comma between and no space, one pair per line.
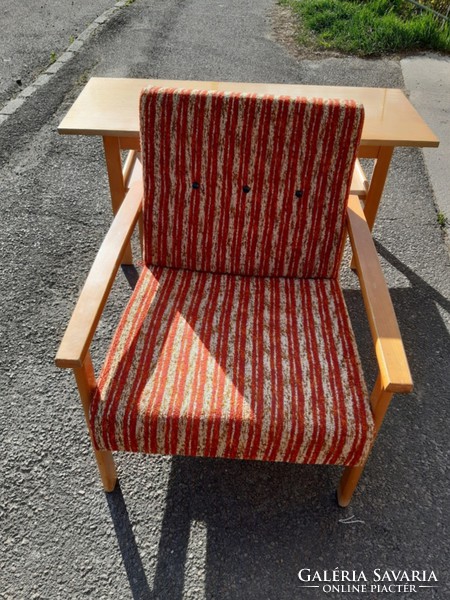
368,28
53,57
442,220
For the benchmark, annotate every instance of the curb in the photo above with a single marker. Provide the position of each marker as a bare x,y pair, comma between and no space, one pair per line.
45,76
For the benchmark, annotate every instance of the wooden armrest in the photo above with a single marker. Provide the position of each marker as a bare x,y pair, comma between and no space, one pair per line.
94,294
393,365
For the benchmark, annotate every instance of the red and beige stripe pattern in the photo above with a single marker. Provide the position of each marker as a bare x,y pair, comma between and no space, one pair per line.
246,184
230,366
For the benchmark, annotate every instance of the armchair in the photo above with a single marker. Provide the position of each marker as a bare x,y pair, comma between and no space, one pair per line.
236,341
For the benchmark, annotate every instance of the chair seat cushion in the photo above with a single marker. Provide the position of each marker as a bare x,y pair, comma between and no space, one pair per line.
237,367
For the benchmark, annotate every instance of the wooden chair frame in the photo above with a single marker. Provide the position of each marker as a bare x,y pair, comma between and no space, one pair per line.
393,371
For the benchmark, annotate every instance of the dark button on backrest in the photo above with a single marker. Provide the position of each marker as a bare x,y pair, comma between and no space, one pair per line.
299,193
246,189
195,185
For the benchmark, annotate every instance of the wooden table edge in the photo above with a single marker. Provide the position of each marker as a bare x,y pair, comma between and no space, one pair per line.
72,123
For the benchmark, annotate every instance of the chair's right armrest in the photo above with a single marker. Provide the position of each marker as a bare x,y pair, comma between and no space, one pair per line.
391,357
88,310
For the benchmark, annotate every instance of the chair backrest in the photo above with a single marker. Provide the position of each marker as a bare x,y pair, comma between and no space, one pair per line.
246,184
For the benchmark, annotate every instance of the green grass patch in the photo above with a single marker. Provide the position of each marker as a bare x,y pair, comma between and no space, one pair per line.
442,220
368,28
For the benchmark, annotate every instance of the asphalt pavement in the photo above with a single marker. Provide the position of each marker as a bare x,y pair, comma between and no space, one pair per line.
34,32
180,528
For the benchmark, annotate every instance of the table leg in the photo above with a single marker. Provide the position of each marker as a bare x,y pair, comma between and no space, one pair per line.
377,182
117,186
375,188
132,171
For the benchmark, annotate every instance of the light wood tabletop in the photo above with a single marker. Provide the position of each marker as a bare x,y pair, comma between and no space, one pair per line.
109,107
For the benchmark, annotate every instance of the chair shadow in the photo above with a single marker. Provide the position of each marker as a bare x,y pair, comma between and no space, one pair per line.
424,333
131,275
426,290
242,527
241,532
260,522
127,544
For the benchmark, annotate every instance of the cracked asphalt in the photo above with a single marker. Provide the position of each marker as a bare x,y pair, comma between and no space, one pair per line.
180,528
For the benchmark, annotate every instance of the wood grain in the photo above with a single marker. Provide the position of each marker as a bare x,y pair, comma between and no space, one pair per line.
94,294
110,106
393,365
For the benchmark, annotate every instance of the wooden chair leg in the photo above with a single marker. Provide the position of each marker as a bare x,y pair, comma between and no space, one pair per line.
379,401
377,182
86,383
107,469
347,484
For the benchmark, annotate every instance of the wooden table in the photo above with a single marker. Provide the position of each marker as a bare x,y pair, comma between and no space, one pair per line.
109,108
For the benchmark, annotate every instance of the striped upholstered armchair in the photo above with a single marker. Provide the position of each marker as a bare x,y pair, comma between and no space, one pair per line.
236,342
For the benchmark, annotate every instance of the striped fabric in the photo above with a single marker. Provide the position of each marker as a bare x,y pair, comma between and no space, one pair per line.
229,366
246,184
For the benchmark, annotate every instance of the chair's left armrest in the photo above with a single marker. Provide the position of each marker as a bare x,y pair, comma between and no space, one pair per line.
94,294
392,361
